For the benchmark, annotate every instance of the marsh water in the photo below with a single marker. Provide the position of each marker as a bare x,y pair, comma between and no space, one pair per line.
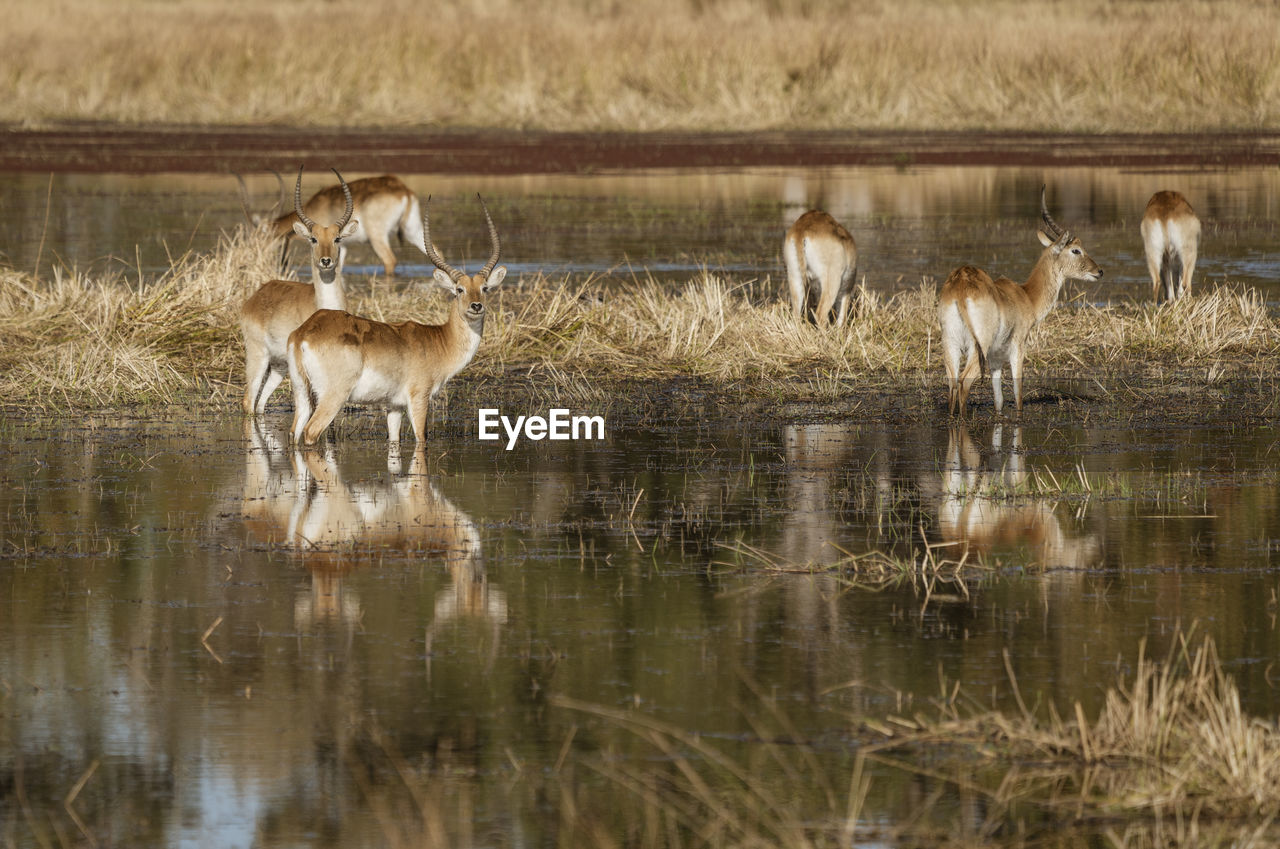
209,639
910,224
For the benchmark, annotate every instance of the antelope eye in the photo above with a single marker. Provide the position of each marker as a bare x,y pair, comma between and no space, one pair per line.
314,240
461,290
1076,251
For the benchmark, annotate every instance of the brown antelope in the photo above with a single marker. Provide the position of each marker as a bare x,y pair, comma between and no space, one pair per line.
383,206
1171,236
279,306
822,262
336,357
986,323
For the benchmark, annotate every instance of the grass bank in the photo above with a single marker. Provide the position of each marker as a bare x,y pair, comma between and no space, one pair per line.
1097,66
77,340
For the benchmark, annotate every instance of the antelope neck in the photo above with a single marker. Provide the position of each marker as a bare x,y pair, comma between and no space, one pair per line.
1043,285
330,294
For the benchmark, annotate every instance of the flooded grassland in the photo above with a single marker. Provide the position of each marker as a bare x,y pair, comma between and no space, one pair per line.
784,600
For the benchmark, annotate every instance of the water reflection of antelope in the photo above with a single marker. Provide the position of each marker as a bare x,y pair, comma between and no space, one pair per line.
981,510
299,500
815,454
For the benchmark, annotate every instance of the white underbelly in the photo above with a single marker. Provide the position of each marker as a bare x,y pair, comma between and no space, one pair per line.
374,387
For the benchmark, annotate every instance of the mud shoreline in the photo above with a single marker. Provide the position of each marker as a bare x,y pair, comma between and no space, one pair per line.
83,148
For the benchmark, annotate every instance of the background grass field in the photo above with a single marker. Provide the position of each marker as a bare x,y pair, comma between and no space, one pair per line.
1093,66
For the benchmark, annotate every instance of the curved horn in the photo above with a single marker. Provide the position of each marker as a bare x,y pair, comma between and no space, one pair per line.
493,237
1054,230
244,198
297,202
430,249
281,194
351,204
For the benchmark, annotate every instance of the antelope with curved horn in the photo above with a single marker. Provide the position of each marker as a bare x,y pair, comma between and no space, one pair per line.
986,323
822,262
279,306
383,206
336,357
1171,237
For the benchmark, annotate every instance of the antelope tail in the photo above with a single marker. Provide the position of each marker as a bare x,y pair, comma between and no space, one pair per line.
962,305
809,309
299,362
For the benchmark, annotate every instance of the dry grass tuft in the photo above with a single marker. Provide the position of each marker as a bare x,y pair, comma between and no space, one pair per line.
1101,66
1170,760
1171,741
80,341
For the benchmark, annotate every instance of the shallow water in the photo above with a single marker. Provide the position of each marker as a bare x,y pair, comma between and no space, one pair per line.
910,224
235,645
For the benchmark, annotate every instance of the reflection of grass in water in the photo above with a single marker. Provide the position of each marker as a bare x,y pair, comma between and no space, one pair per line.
1170,760
650,64
77,340
926,566
1181,486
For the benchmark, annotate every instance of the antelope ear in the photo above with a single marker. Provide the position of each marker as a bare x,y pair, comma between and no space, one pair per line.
444,281
1044,240
495,278
350,228
301,230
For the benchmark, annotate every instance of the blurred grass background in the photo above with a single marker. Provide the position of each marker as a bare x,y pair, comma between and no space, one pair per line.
1096,66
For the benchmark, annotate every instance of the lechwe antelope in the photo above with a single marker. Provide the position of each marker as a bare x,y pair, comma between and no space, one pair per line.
986,323
1171,236
336,357
279,306
383,206
822,262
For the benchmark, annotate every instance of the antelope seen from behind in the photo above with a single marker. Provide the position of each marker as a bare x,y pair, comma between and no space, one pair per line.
822,263
985,323
1171,237
383,206
279,306
336,357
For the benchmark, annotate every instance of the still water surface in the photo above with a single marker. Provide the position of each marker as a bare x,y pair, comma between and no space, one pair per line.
252,647
910,224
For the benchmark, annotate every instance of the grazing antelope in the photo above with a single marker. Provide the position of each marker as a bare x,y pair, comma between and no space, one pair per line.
336,357
986,323
279,306
1171,236
822,262
383,206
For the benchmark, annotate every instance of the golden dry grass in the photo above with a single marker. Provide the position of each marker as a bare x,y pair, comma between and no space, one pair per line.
1170,760
1171,741
79,340
1093,66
